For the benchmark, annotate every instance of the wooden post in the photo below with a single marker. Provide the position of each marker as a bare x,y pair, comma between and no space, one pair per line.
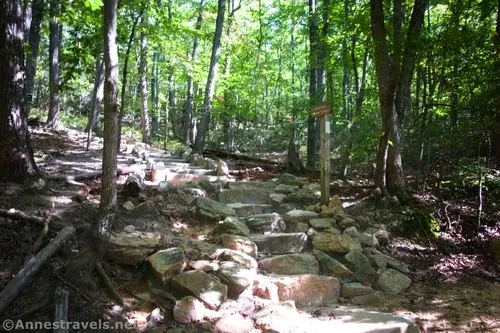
323,112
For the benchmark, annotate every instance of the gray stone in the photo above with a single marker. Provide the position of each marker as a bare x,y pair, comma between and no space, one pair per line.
211,210
281,243
276,199
167,263
237,278
348,222
391,281
240,243
188,310
377,260
234,323
285,208
231,225
130,248
222,168
243,210
128,205
368,240
200,161
192,158
360,265
330,243
289,179
382,237
239,258
202,286
350,290
375,299
265,223
304,198
352,231
286,189
322,223
210,164
308,289
289,264
397,265
246,196
331,267
249,185
204,265
295,216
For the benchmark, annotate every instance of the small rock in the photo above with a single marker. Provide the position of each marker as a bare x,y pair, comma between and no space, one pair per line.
286,189
277,199
240,243
331,267
167,263
322,223
164,187
382,237
211,210
351,231
129,229
128,205
204,265
237,278
360,265
348,222
285,208
231,225
295,216
265,223
331,243
308,290
350,290
188,310
367,240
202,286
239,258
391,281
234,323
289,179
374,299
397,265
377,260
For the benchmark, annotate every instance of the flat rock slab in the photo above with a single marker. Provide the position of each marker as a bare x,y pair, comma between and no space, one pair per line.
322,223
289,264
243,210
240,243
245,196
308,289
167,263
202,286
249,185
338,244
211,210
129,248
265,223
281,243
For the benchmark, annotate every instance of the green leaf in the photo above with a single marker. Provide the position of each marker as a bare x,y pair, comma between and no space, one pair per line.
93,4
390,143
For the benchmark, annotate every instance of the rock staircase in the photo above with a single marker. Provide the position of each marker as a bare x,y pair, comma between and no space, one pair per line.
278,252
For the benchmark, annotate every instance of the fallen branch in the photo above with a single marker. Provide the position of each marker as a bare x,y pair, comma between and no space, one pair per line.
107,282
61,310
26,274
15,214
34,249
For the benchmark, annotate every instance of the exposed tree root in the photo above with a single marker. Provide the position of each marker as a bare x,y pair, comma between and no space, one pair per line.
109,285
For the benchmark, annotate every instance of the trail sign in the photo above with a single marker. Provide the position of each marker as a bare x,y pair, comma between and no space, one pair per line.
321,110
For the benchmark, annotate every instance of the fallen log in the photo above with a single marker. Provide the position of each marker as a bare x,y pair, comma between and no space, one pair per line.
90,175
39,241
134,184
61,310
15,214
26,274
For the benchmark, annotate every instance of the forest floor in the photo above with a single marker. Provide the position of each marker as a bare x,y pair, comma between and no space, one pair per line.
456,284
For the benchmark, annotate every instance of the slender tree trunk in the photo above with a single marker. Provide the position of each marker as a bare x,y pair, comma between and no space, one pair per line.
188,114
97,96
313,123
124,77
143,85
201,134
54,104
496,131
16,154
37,8
155,83
172,102
107,205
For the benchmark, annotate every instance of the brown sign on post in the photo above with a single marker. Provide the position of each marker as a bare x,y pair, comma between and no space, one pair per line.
321,110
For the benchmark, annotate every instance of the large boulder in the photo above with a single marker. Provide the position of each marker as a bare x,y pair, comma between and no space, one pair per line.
331,243
245,196
231,225
357,262
240,243
281,243
204,287
289,264
167,263
391,281
237,278
212,211
308,290
130,248
265,223
331,267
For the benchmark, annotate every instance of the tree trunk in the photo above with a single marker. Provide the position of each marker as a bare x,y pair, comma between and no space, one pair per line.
143,85
97,95
313,123
107,206
54,43
16,154
188,114
37,8
172,102
124,77
496,131
155,84
201,134
394,76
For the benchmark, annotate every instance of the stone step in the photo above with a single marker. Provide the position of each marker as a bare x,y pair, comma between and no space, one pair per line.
265,223
249,185
281,243
244,196
244,210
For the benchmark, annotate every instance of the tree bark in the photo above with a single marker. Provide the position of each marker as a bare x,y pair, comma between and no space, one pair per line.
107,206
97,95
37,9
496,131
143,85
201,134
16,153
394,76
54,44
188,114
